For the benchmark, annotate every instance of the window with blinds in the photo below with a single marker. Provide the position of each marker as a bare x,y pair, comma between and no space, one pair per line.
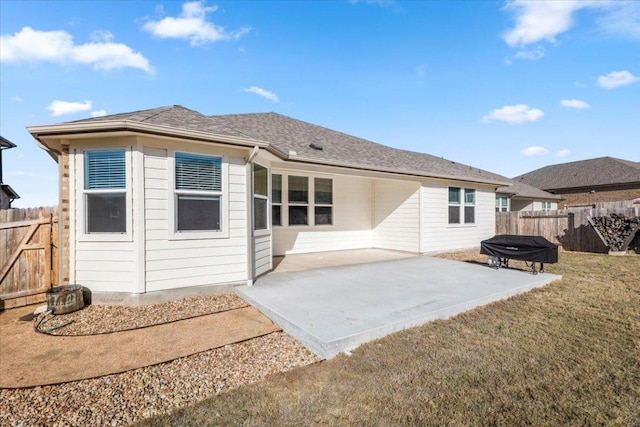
105,183
197,172
198,192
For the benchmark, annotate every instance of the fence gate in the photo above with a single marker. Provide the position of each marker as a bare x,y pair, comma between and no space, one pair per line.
28,255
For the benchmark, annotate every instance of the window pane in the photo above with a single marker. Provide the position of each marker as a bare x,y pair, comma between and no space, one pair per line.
259,214
104,169
276,215
196,172
454,215
454,195
469,214
298,189
260,180
323,215
276,188
198,213
106,213
323,191
298,215
469,196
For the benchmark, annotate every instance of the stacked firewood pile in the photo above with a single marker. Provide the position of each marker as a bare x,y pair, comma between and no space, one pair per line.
616,230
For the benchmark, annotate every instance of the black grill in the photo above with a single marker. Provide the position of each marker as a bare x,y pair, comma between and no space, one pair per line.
531,249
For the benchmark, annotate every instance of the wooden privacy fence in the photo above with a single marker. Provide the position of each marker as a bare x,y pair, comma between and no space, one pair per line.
28,255
568,228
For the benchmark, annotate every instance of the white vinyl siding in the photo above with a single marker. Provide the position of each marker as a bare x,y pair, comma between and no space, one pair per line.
262,251
397,215
352,218
192,262
438,234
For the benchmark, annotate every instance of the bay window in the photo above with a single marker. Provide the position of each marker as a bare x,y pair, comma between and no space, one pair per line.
198,192
105,191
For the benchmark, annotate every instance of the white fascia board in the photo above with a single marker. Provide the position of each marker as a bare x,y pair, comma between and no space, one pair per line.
100,128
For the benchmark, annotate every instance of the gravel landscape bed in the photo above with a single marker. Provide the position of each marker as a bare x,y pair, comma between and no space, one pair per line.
101,319
124,398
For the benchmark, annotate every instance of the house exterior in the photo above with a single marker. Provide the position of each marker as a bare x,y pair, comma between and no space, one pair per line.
522,197
7,194
603,179
169,198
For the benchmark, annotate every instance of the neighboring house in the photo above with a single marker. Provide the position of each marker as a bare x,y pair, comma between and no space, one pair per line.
604,179
170,198
7,194
522,197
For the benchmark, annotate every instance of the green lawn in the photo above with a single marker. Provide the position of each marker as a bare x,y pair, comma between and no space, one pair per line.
566,354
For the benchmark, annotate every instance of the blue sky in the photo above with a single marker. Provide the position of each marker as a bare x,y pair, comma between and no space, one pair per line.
507,86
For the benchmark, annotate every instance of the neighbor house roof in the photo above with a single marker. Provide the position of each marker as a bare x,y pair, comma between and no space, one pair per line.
5,143
601,171
286,137
522,190
9,191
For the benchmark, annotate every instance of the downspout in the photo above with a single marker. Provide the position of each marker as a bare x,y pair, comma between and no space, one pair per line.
251,250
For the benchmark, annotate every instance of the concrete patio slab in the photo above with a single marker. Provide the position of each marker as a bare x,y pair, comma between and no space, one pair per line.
310,261
334,309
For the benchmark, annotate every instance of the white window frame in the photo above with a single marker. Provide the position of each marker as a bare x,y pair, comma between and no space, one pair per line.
262,231
174,234
546,206
274,203
461,205
83,235
322,205
308,205
500,207
466,204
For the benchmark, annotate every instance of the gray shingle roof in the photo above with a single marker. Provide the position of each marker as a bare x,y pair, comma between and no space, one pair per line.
520,189
286,134
586,173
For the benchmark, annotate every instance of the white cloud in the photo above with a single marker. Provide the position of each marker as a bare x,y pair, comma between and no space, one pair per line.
262,92
31,45
192,25
574,103
544,20
563,153
518,113
623,20
616,79
539,20
16,98
535,150
59,108
98,113
531,54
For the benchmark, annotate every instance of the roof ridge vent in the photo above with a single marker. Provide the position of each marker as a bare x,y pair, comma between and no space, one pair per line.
316,146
